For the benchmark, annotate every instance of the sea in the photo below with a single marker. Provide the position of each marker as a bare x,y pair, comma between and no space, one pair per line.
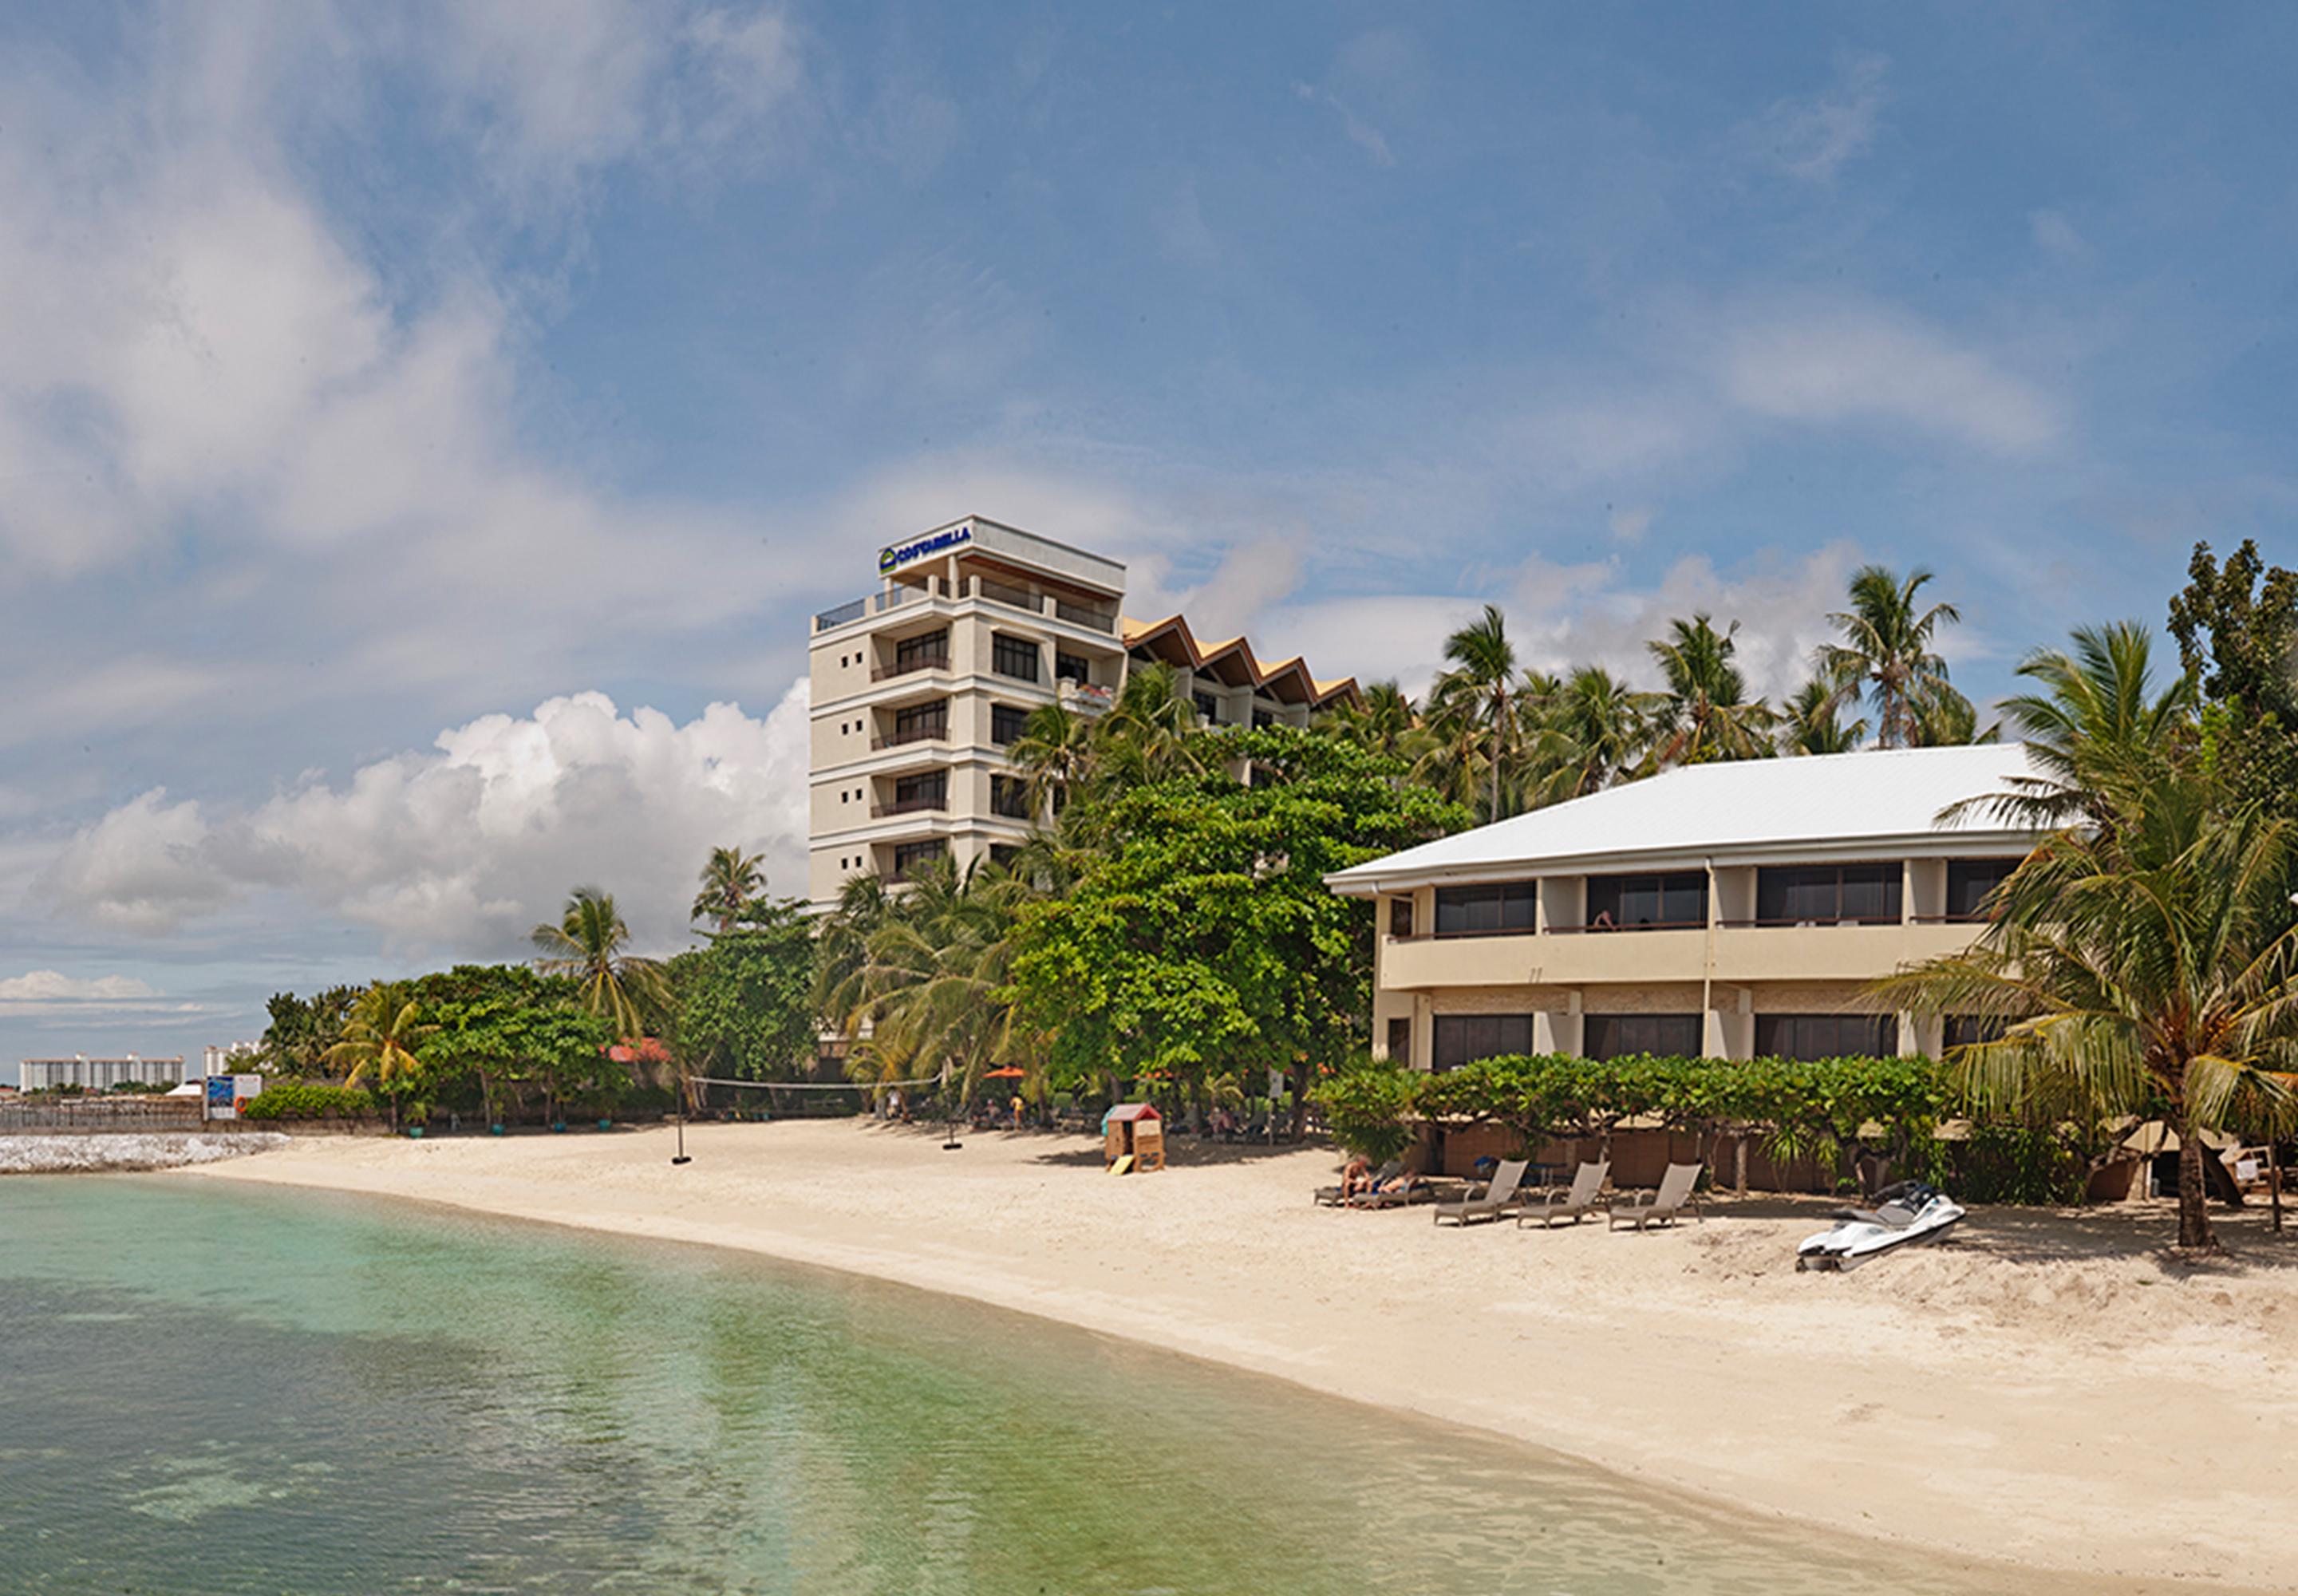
212,1388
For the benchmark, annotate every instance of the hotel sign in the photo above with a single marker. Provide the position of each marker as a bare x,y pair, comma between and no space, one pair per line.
895,556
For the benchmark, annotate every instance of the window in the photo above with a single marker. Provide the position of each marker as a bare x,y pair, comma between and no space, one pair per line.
1969,880
1003,853
1014,656
1827,894
1207,707
1006,724
1399,916
1072,667
1648,902
931,652
1622,1035
1808,1037
1009,796
1399,1042
909,857
924,722
1464,1038
1963,1029
929,792
1485,910
1261,717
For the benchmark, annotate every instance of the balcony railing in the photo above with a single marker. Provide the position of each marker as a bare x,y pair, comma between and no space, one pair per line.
909,806
1091,616
893,597
924,662
902,740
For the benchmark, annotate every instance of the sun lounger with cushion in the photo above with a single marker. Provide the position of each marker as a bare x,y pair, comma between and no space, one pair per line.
1329,1196
1497,1198
1584,1197
1643,1209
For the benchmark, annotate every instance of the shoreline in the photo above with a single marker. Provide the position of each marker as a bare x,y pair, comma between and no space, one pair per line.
2045,1399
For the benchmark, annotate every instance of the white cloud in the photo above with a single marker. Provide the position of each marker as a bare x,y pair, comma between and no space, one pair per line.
1812,138
1629,523
463,849
1250,578
1827,363
1360,133
54,987
2052,231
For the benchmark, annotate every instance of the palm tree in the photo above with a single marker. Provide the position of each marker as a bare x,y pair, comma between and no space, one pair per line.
1150,732
1946,719
1479,692
2147,967
730,881
1707,713
1601,730
1813,723
1886,652
589,943
380,1034
1384,722
1054,754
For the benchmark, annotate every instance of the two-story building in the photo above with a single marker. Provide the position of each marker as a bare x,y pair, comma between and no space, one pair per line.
1727,911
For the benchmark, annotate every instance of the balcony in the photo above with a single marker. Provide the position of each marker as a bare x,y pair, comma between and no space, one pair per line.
902,739
868,604
934,804
924,662
1744,955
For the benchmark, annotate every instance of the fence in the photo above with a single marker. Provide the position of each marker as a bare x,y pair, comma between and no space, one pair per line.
94,1116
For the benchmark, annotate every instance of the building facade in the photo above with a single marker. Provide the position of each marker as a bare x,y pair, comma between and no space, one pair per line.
100,1074
1726,911
919,688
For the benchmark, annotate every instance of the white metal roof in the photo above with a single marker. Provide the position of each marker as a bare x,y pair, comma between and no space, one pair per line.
1877,803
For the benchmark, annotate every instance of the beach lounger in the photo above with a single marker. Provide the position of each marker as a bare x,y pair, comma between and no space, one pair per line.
1394,1192
1497,1198
1329,1196
1584,1197
1641,1209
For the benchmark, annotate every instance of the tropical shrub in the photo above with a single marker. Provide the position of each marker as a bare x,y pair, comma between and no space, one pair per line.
1369,1106
306,1099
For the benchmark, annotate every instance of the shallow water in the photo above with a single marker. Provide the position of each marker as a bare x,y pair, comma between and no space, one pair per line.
218,1389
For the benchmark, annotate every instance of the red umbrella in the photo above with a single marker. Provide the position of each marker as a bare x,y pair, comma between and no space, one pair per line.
1004,1072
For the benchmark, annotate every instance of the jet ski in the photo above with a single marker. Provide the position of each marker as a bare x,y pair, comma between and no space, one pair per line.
1908,1214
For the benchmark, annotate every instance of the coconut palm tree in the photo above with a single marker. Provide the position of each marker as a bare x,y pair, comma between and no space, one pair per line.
731,882
1813,721
2146,967
1886,652
1150,732
1054,754
1479,694
1383,720
590,943
1595,731
380,1034
1706,714
929,989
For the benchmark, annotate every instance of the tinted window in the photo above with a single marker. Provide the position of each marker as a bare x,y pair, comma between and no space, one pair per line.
1809,1037
1969,880
1485,909
922,792
925,721
1663,1036
917,653
1790,895
1005,723
1963,1030
1206,705
1399,916
1014,656
1464,1038
1645,902
1399,1041
1009,797
1070,668
909,856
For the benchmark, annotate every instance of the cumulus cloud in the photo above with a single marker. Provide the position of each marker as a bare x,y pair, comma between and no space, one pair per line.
462,849
1813,138
54,986
1827,363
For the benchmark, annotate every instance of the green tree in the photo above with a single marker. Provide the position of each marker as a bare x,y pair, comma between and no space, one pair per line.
1886,653
1706,714
301,1032
381,1037
590,943
1202,941
1054,754
2237,631
744,1006
731,882
929,999
505,1040
1813,723
1477,696
1595,731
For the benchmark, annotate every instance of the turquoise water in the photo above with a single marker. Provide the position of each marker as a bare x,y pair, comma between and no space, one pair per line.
213,1389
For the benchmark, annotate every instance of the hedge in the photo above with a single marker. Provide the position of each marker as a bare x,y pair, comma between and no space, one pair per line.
304,1100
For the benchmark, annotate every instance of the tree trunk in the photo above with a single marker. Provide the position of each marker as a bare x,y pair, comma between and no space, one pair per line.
2193,1198
1300,1081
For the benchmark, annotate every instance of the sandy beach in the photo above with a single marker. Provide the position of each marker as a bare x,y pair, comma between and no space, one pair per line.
2051,1390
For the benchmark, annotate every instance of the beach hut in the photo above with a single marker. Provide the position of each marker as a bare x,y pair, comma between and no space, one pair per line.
1132,1138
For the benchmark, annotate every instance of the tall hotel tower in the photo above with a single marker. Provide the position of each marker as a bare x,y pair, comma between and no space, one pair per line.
918,689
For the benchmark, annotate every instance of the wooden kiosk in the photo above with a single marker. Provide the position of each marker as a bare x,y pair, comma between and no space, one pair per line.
1132,1138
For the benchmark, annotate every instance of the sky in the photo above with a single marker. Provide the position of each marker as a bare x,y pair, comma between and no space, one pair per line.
425,431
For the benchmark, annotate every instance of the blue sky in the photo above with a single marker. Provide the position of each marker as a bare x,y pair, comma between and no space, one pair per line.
422,434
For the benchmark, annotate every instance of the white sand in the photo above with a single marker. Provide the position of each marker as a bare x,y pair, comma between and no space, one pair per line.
2049,1390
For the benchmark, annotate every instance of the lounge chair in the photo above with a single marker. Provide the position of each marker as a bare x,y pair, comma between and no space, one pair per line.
1497,1198
1331,1196
1641,1209
1395,1191
1585,1197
